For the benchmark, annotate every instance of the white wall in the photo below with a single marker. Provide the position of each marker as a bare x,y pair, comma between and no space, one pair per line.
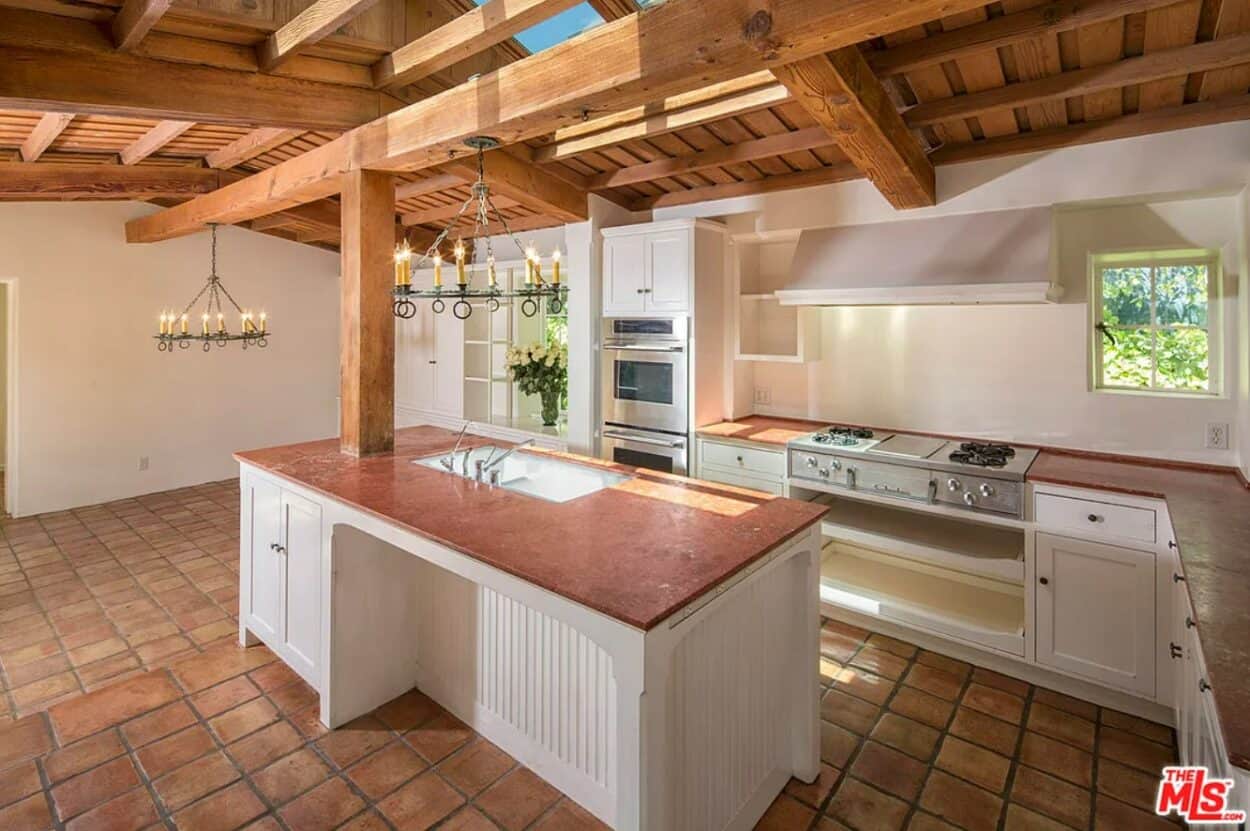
1020,373
1242,427
93,393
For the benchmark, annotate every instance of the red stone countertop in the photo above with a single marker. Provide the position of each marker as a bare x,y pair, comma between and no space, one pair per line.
1210,511
761,429
637,552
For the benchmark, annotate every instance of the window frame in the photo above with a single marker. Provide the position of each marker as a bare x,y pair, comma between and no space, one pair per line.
1138,258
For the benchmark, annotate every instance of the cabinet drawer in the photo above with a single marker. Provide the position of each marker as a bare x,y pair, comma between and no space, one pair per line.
770,464
1091,517
741,480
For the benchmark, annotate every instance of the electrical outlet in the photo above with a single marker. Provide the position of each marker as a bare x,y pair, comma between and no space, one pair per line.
143,462
1217,436
763,395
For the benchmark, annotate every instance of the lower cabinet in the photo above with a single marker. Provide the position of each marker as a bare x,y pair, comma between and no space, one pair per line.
281,557
1096,612
745,467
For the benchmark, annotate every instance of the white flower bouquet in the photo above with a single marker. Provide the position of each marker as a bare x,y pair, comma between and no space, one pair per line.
543,371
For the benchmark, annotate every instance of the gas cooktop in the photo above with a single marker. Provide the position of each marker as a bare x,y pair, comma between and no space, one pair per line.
997,460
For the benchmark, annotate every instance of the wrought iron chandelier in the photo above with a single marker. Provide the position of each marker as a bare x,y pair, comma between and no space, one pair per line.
462,295
176,329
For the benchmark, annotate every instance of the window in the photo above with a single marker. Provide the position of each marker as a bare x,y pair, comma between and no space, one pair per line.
1153,321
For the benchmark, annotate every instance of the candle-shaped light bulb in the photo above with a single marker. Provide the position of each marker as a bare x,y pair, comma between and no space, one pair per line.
263,325
204,320
162,326
490,270
221,322
438,270
461,279
531,259
403,265
555,267
184,323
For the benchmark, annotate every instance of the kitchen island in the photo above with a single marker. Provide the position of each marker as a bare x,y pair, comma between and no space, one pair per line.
647,648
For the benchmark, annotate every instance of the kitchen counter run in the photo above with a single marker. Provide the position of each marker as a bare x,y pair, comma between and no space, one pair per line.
637,552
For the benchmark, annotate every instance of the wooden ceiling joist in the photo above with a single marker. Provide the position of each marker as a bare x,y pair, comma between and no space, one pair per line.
135,19
841,172
614,9
46,131
311,25
525,184
1169,63
442,213
761,148
102,181
843,95
430,184
463,37
687,45
250,146
1048,19
153,140
665,122
58,63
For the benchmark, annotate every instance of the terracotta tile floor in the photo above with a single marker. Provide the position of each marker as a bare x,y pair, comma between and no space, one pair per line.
127,706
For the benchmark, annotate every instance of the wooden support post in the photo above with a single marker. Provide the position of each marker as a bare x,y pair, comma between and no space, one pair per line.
367,349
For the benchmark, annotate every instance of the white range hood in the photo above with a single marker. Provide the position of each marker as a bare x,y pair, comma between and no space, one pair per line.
999,257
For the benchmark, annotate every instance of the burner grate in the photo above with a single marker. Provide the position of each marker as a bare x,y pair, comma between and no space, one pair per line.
982,454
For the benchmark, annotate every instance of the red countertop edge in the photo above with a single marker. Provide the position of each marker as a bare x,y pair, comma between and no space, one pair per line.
1210,565
643,624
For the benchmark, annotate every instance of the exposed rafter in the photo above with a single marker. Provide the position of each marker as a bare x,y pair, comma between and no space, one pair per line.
442,213
463,37
1048,19
430,184
45,132
687,45
59,63
1169,63
309,26
803,179
153,140
255,143
614,9
135,19
843,95
102,181
525,184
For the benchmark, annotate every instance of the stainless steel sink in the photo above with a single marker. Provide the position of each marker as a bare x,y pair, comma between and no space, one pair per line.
534,474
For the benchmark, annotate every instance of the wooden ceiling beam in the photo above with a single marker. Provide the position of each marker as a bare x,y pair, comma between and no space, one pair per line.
463,37
256,143
842,172
761,148
313,24
1185,116
430,184
102,181
1153,66
614,9
58,63
153,140
135,19
1048,19
44,133
665,122
843,95
442,213
525,184
688,44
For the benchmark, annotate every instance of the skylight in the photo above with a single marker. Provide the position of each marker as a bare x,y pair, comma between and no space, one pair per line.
559,28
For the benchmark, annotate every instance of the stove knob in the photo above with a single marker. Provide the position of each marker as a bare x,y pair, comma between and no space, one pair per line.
834,464
987,489
824,473
811,461
953,485
970,498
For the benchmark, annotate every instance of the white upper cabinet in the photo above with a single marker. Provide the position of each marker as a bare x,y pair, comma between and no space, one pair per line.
648,269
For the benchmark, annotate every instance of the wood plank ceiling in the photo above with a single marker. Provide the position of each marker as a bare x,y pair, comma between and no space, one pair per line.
1009,77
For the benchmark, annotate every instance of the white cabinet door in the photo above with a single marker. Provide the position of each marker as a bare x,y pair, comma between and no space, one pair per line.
624,274
668,272
263,603
1096,611
301,617
448,392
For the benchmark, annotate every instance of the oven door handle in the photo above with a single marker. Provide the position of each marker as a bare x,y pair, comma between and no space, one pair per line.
674,444
610,347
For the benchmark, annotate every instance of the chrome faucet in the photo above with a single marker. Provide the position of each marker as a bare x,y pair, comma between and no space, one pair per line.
449,461
491,465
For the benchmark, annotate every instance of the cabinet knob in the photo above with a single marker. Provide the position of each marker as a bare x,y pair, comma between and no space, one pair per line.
1203,685
1177,578
1094,518
273,546
1189,622
739,460
1176,651
1172,544
1045,581
640,291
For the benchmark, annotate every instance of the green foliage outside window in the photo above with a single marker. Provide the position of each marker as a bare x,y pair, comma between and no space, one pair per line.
557,335
1153,326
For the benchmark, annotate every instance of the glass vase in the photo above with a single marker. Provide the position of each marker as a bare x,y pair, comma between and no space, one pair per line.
551,407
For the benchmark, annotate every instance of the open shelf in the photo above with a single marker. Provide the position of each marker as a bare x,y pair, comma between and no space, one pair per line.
988,551
767,330
972,609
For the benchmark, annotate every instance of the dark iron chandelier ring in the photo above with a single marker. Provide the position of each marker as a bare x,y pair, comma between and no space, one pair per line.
493,304
461,310
529,307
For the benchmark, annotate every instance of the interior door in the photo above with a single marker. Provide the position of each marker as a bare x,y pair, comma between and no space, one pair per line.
624,274
668,272
1096,611
302,601
448,395
264,596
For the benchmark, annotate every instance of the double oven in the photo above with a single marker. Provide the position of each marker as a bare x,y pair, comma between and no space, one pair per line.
646,392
